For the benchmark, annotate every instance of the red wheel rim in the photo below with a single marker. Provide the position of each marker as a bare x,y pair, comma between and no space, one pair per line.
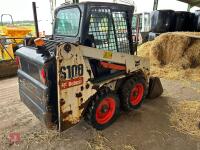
136,94
105,110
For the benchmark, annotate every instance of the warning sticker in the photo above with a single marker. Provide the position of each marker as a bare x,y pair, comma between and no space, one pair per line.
107,55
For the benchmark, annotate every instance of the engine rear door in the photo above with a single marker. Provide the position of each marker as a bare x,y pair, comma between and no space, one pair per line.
34,87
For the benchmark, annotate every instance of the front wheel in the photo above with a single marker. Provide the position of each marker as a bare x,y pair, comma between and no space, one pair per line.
133,93
103,110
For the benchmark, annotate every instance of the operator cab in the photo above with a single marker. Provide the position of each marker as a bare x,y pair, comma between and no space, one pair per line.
105,26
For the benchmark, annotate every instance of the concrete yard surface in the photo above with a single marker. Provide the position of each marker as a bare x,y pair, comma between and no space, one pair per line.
148,128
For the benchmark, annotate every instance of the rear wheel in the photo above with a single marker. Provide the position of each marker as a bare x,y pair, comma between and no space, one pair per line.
103,109
133,93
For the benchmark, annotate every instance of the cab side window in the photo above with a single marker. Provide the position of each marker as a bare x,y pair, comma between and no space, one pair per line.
102,28
109,30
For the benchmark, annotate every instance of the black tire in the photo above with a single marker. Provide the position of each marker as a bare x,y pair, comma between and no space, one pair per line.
128,89
91,115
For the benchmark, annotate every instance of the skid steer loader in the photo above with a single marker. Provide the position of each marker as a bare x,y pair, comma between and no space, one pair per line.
88,69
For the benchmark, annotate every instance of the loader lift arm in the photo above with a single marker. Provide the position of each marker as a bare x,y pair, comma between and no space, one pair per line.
122,59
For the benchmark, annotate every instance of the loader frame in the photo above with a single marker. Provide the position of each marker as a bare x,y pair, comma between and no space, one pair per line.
90,60
75,91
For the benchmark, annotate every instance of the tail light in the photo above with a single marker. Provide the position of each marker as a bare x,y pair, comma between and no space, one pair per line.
17,60
43,75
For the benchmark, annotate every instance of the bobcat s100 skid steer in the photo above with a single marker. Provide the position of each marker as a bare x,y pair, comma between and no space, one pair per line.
89,69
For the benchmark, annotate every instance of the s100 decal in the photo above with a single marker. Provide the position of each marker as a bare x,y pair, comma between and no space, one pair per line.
69,72
71,76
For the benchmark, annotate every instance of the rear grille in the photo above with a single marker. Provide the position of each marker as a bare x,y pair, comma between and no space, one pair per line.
33,68
30,68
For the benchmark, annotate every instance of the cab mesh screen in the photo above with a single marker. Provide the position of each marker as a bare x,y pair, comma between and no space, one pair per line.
109,30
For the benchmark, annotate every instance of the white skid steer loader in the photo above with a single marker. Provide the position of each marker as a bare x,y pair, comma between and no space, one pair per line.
89,69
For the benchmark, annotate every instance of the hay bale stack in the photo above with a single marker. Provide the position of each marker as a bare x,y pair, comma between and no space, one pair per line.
169,48
173,52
